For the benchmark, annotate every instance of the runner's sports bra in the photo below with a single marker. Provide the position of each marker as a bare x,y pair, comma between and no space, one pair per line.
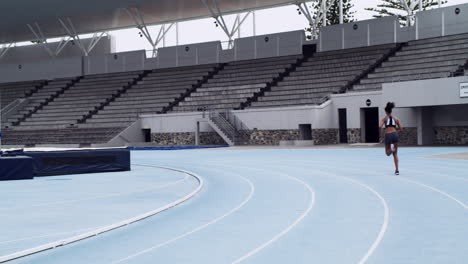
390,122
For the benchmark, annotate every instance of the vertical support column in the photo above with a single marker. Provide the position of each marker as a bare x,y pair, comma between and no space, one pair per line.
420,5
254,22
341,12
443,23
325,11
197,134
177,33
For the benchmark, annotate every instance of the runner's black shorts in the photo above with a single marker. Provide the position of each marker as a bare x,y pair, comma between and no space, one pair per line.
392,138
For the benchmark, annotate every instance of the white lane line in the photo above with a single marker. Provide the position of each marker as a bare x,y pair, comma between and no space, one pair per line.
98,197
48,235
242,204
436,190
287,229
67,241
463,205
386,216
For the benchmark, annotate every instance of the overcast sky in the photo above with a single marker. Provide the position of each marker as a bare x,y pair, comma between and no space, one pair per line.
267,21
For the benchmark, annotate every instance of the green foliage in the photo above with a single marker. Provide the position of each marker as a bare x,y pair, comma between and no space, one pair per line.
333,14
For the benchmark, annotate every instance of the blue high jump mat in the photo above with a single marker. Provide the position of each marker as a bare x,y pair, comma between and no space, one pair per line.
74,161
16,168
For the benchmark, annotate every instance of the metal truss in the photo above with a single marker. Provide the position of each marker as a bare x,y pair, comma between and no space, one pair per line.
216,13
137,18
316,16
4,49
40,39
73,36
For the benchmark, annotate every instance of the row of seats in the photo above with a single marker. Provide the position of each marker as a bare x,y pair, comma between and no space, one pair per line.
10,92
40,97
150,95
79,100
322,74
418,60
79,136
236,82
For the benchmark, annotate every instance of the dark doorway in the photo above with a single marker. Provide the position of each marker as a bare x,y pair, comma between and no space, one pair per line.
371,119
147,135
343,126
305,131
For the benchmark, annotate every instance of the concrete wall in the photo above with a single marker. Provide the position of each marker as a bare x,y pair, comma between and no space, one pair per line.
117,62
186,55
429,24
35,53
436,92
271,45
41,70
320,117
444,21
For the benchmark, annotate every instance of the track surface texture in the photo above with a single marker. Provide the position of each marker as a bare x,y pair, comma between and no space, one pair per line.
255,206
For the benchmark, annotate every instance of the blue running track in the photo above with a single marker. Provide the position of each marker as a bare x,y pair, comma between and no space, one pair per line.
255,206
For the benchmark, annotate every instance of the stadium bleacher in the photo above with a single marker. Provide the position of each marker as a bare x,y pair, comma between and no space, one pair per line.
418,60
12,91
78,100
151,95
95,108
237,82
321,75
40,98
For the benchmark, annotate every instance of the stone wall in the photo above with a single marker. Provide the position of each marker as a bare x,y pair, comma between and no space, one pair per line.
187,139
451,135
409,136
270,137
354,135
325,136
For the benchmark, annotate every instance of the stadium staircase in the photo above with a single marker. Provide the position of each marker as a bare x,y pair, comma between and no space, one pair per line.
228,126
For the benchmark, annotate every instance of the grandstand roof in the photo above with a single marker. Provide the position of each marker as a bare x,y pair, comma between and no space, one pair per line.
90,16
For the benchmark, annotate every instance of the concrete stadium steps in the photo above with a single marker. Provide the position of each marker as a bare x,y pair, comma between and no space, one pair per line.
152,94
9,92
60,136
322,74
80,99
418,60
236,83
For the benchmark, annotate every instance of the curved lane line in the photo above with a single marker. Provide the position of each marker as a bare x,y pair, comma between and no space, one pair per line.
287,229
242,204
464,206
64,242
386,217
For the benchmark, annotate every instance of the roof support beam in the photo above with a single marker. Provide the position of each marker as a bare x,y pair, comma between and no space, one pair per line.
68,26
137,18
4,49
40,39
217,14
314,16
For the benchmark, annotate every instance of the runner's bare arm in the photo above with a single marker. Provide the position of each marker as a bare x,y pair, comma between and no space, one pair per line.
400,127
